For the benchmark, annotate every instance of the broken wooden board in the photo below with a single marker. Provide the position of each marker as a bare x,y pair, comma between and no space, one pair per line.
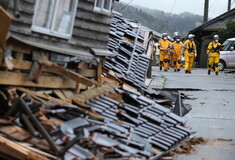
59,94
92,93
21,79
4,27
16,151
45,154
68,94
53,68
44,96
50,81
15,133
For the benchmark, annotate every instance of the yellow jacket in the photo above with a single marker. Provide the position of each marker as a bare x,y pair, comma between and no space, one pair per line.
164,45
177,48
189,47
212,47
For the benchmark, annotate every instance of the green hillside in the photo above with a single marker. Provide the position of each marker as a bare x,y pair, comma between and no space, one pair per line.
159,20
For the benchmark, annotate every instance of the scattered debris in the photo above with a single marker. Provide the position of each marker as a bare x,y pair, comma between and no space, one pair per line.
102,127
127,43
52,110
187,147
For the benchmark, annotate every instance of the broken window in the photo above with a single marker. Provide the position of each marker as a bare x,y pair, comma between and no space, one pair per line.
55,17
103,6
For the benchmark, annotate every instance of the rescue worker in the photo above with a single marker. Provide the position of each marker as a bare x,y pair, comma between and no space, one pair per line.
189,51
171,40
176,56
164,46
213,50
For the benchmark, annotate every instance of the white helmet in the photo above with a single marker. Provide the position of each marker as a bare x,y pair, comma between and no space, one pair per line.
216,36
190,36
175,34
164,35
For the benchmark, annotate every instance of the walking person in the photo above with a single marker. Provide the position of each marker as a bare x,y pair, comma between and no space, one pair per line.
189,51
164,46
213,50
176,53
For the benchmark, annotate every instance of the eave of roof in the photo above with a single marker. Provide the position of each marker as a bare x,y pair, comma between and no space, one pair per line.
222,16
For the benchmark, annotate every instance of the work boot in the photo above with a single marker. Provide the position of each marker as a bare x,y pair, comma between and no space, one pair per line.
160,68
216,73
186,71
165,70
209,72
178,70
175,70
189,72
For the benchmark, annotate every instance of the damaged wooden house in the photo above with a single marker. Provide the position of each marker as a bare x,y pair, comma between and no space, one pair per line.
46,37
61,44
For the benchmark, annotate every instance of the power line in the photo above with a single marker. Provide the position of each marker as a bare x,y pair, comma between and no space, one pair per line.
212,5
126,5
166,23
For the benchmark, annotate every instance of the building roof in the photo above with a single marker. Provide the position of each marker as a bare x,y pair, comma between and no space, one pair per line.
212,21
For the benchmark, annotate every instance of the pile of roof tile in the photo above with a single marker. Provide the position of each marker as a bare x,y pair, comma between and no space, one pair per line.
127,45
121,124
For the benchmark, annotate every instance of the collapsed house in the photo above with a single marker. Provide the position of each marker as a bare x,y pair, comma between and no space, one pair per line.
54,104
72,33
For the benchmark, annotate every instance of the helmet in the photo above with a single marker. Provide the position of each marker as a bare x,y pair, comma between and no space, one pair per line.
190,36
175,34
164,35
216,36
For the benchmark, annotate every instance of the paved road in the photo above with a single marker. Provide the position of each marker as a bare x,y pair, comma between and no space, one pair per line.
213,109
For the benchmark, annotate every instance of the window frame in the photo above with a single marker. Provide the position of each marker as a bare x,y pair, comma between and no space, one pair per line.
102,9
51,31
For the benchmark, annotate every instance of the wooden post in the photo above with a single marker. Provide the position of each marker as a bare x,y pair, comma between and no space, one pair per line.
1,56
99,70
78,87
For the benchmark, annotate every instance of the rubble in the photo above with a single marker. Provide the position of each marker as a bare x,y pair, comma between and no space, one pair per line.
49,111
136,127
130,61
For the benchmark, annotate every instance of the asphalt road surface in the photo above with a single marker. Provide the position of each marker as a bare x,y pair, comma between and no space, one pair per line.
212,99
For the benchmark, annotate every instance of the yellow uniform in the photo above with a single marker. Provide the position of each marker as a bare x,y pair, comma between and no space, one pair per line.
164,56
214,55
176,56
189,50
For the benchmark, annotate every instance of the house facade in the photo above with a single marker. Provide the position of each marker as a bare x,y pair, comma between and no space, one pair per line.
72,33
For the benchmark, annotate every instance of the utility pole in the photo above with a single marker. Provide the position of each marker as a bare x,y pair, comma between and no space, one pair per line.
229,5
206,10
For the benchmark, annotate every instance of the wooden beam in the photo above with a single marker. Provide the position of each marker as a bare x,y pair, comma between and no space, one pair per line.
1,56
53,68
92,93
20,79
5,20
21,47
22,65
90,73
44,96
14,150
99,71
26,65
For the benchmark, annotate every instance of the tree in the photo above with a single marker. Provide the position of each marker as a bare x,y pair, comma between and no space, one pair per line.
228,32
